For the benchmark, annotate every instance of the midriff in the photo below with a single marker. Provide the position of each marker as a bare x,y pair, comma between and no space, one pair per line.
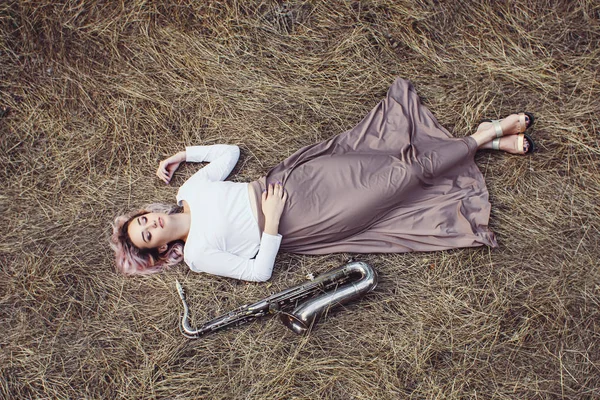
254,205
255,189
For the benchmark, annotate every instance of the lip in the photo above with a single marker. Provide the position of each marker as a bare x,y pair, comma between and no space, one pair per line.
160,222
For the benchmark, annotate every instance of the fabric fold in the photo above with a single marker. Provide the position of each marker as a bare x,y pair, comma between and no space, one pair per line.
396,182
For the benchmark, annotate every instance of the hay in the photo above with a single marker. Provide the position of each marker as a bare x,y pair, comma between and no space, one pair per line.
99,92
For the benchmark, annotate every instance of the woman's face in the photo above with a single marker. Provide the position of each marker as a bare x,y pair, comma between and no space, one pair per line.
150,231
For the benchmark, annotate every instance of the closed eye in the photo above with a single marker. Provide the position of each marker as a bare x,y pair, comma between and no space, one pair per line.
142,221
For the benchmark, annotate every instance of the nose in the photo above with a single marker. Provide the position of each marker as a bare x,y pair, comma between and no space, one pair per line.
151,224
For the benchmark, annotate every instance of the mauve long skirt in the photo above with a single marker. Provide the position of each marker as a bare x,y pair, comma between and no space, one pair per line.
396,182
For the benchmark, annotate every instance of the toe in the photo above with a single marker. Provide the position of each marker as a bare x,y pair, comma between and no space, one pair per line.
528,145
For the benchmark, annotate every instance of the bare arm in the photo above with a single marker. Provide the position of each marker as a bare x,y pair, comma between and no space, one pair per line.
221,158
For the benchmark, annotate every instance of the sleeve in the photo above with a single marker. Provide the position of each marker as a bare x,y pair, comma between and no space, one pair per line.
256,269
222,159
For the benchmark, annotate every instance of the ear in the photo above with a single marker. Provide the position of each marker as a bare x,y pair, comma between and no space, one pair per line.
163,248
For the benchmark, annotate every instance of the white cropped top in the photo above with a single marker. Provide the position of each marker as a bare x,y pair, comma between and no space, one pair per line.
224,237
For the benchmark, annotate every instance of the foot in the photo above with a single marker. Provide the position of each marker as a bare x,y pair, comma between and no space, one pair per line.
510,125
513,144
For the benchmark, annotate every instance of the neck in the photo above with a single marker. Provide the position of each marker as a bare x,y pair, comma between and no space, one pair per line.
182,226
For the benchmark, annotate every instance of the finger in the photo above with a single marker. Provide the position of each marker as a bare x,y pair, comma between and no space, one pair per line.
264,195
270,189
164,175
284,197
160,175
161,169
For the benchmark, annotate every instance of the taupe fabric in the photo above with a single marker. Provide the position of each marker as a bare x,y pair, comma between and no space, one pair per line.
396,182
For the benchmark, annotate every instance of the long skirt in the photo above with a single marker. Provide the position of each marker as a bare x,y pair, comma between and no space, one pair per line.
396,182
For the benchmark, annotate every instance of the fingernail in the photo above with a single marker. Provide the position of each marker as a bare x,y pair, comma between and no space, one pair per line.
264,190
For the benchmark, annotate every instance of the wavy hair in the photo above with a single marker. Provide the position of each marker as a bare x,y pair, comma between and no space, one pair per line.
131,260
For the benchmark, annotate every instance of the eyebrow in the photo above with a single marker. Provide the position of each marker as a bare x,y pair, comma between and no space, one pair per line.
140,224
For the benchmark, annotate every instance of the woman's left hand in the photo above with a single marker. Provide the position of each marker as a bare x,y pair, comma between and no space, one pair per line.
167,167
273,202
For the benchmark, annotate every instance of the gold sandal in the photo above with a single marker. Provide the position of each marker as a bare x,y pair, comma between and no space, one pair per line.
520,143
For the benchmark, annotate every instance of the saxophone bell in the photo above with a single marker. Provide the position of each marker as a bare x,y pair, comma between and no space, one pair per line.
307,314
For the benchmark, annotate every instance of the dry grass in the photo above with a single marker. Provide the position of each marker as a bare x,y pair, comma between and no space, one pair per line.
99,92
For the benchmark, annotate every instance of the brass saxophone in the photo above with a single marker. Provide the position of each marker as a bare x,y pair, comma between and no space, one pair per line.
311,300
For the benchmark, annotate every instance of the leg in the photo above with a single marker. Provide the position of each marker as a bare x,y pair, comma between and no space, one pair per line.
378,203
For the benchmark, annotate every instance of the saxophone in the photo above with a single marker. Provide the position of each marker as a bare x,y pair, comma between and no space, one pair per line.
309,300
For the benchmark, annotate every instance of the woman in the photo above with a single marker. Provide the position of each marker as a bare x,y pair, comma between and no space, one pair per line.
397,182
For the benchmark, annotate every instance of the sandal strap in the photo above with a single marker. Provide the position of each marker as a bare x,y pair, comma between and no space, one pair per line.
521,143
522,126
497,128
496,144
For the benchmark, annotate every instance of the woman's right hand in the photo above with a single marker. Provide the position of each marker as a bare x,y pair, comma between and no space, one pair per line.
167,167
273,202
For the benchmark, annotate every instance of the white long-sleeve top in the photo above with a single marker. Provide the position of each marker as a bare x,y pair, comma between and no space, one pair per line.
224,237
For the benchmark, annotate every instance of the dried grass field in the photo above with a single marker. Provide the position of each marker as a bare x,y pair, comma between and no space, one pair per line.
97,92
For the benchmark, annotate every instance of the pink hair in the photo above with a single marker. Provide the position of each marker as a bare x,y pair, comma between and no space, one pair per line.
131,260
